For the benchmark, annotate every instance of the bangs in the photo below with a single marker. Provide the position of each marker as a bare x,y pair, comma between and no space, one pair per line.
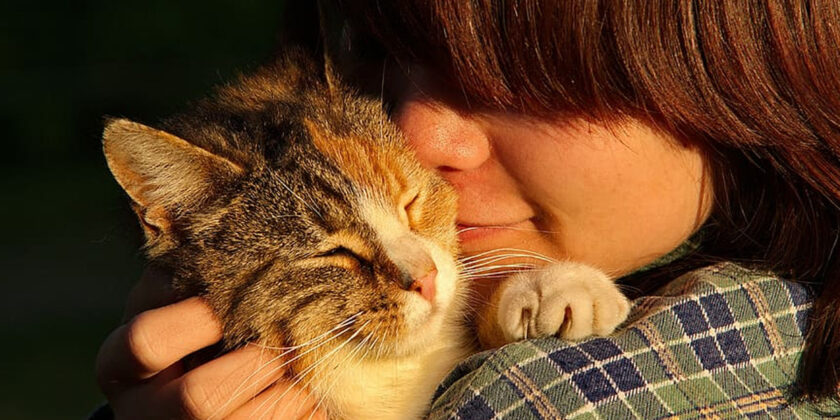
730,71
527,57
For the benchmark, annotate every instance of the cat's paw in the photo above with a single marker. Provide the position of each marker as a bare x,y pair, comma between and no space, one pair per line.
569,300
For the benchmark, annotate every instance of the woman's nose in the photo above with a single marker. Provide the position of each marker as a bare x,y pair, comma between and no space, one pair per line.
443,138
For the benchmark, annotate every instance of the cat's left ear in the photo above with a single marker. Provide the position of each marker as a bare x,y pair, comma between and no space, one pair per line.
162,173
334,42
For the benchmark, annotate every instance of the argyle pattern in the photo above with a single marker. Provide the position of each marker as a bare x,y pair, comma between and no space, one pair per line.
719,342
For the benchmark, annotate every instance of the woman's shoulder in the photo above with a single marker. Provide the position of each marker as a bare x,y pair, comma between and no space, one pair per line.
722,276
720,340
723,297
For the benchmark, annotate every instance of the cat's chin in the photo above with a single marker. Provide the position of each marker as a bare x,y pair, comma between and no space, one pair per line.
436,332
417,340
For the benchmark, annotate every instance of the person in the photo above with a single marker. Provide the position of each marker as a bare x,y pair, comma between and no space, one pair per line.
689,149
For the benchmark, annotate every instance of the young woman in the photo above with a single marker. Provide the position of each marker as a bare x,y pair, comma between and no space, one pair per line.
690,148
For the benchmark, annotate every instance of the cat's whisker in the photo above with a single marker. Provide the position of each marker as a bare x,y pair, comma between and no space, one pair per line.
494,275
497,271
496,258
349,320
325,358
493,267
508,249
320,401
350,355
378,348
496,267
625,288
476,300
377,336
467,229
515,250
305,203
487,260
282,366
299,355
319,345
242,387
533,256
481,254
481,263
346,324
309,369
271,407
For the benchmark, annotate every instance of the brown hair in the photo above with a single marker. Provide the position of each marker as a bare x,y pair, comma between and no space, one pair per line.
756,83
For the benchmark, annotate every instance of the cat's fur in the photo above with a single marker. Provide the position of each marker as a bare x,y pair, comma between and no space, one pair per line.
292,205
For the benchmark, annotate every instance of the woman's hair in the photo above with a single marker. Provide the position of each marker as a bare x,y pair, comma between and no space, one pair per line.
755,84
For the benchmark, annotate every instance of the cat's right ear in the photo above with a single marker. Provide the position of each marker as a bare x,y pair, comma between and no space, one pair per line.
162,173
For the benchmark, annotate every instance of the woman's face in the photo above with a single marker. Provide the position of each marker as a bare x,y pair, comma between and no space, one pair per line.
615,197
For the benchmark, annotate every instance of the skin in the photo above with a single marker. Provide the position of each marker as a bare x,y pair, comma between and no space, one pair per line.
616,196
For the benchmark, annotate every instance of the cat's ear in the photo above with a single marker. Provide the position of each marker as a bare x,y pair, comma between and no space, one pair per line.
333,38
163,174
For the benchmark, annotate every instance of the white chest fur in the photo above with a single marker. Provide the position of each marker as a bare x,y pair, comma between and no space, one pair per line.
393,388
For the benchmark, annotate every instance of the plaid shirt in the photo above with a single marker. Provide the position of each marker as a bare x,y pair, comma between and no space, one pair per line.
719,342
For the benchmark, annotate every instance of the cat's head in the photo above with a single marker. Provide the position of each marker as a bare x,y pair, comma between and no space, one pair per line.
302,218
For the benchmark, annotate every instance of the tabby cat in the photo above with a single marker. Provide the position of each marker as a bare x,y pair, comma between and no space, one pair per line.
292,205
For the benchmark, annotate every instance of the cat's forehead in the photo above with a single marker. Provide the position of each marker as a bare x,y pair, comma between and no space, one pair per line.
375,161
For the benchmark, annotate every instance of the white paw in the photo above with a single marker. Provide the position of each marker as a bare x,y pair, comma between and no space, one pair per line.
570,300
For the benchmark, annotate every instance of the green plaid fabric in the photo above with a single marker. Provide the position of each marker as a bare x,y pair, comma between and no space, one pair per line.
719,342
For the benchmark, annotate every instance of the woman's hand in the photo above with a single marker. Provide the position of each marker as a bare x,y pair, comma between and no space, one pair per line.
140,371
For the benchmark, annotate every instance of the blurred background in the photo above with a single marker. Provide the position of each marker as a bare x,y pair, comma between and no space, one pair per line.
69,247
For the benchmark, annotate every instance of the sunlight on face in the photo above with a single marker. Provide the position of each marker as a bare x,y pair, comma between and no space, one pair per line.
616,197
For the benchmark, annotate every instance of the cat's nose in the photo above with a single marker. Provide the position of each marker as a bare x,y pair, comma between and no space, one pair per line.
424,284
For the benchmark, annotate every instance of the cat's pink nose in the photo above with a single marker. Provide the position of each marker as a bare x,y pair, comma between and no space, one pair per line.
425,285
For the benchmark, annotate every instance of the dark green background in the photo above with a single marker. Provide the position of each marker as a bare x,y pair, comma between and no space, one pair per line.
69,248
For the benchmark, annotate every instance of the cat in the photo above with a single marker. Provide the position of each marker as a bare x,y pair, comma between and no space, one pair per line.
294,207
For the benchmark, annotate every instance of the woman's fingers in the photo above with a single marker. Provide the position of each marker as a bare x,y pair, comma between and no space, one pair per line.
219,387
139,365
154,340
282,401
210,391
140,370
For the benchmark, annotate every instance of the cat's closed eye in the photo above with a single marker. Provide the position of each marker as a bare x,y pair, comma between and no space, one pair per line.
346,257
410,209
343,252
